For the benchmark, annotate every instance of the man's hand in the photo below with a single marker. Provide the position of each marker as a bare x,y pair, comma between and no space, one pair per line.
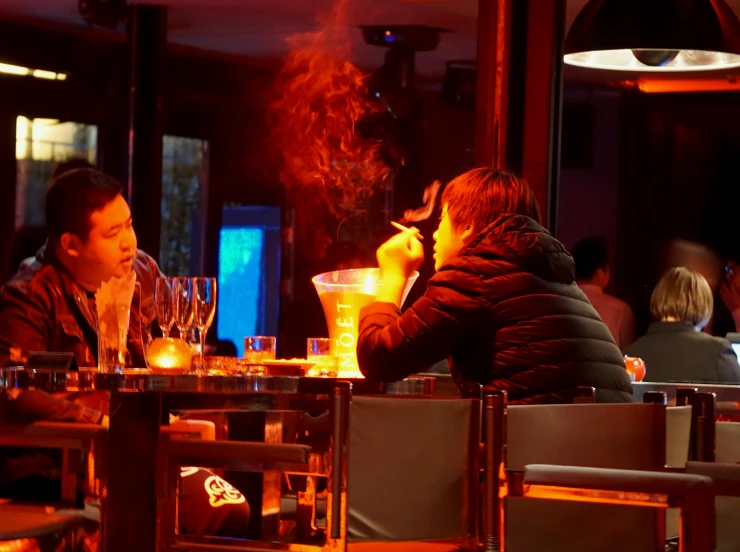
398,258
729,291
401,255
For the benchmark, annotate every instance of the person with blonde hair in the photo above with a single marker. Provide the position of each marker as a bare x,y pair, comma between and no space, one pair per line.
675,348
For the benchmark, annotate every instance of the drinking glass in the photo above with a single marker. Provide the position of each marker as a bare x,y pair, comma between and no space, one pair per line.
164,304
258,348
182,291
325,353
204,308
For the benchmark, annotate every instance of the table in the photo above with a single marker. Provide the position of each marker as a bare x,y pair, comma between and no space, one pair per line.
141,401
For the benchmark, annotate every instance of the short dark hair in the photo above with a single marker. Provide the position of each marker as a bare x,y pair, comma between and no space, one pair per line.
70,165
74,196
480,196
590,254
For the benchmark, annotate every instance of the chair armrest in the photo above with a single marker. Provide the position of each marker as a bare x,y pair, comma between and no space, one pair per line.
693,494
695,486
51,435
726,477
15,525
236,454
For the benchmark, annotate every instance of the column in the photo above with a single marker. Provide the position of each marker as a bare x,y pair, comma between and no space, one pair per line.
147,43
518,96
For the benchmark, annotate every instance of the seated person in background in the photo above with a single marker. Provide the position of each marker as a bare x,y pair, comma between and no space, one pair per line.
49,305
729,291
675,348
592,276
503,305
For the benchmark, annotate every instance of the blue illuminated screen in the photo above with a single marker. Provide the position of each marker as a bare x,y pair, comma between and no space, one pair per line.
248,273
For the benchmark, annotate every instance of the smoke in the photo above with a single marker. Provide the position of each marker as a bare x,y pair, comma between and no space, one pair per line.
429,201
327,167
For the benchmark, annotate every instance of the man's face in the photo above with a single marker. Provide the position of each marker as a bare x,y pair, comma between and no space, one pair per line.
448,241
111,244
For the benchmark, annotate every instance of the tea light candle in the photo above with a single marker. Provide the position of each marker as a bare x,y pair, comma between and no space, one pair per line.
168,353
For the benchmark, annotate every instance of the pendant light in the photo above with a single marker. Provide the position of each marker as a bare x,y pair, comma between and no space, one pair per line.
654,36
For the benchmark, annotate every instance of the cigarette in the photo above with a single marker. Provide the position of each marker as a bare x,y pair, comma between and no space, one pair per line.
409,230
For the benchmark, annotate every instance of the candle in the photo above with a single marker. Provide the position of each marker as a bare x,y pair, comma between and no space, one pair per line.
167,354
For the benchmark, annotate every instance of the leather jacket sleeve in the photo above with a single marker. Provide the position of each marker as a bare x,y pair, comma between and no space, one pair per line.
25,323
32,405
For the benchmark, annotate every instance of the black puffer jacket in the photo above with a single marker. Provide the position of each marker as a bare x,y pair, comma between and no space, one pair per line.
506,312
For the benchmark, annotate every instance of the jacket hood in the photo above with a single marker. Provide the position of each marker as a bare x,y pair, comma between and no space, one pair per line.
525,243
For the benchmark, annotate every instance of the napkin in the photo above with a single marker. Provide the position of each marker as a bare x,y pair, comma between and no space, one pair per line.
113,303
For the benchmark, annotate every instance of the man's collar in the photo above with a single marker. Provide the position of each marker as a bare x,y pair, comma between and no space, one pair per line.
48,255
590,287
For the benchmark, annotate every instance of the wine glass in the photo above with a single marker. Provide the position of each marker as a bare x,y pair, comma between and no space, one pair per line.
182,291
204,308
164,305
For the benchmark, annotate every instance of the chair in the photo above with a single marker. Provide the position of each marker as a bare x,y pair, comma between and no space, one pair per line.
726,478
42,528
27,531
616,436
728,442
413,474
692,494
71,438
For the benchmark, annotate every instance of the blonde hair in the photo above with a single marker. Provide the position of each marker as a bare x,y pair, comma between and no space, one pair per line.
682,294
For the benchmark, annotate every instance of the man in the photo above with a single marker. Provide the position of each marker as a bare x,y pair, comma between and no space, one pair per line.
592,276
503,305
49,305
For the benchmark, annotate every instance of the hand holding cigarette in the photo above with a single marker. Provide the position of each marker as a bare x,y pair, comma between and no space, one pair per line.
401,254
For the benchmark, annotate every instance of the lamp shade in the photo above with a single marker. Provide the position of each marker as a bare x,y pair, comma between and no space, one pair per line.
654,35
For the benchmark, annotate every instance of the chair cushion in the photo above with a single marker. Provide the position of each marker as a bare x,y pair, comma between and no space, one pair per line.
618,480
193,452
16,525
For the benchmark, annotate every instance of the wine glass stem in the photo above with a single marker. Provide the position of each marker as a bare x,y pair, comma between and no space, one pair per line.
202,336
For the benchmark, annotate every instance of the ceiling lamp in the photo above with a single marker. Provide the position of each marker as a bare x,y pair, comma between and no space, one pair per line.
654,35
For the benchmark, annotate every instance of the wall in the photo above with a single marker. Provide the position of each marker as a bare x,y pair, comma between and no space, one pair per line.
587,196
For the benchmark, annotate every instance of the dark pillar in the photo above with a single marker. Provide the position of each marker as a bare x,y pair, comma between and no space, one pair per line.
147,43
518,99
8,177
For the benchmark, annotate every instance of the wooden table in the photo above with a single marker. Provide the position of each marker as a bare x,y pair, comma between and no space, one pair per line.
140,402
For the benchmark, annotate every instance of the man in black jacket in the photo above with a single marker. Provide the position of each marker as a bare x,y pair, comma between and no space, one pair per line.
503,305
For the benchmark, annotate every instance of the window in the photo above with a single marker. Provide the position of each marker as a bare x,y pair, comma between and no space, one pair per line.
184,177
39,145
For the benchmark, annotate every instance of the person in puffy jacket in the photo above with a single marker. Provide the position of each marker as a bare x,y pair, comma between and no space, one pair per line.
503,305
